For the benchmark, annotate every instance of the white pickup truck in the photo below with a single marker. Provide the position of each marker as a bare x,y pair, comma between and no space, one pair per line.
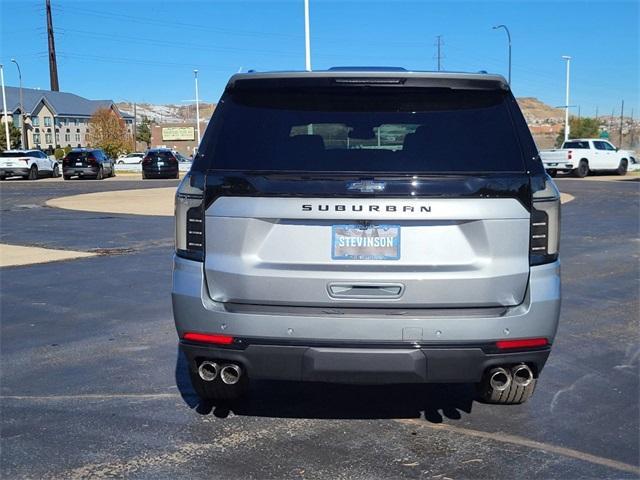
584,155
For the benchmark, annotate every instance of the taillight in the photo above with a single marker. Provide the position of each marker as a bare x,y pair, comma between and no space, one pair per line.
91,160
214,338
146,160
544,243
522,343
569,155
190,217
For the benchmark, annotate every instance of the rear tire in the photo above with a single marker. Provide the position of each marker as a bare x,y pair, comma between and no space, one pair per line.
56,172
552,173
100,174
217,390
582,170
622,168
67,177
144,176
33,173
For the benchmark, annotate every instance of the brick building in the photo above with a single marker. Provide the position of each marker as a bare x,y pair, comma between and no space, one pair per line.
181,137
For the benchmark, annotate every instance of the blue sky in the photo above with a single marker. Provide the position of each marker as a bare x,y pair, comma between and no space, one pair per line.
145,51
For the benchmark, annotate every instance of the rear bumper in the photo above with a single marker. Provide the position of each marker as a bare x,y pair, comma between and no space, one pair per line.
13,171
160,172
402,347
80,171
559,166
461,364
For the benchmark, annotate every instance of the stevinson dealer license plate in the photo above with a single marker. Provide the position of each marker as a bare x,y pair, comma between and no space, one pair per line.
359,242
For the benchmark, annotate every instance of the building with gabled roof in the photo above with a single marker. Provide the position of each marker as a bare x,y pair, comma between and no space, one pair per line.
55,119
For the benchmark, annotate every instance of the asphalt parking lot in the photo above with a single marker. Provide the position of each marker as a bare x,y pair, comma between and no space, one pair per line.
91,383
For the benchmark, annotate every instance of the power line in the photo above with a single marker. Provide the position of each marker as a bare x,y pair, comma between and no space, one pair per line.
149,21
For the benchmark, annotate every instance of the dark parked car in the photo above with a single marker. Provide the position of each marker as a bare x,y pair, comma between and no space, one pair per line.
87,163
160,163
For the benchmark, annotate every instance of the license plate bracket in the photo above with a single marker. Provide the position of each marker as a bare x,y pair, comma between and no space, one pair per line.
365,242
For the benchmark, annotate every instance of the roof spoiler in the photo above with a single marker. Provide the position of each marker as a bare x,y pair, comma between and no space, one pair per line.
326,79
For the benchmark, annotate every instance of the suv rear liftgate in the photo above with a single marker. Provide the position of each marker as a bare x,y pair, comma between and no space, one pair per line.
368,229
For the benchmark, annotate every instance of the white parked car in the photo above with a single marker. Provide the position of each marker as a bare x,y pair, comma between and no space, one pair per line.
28,164
584,155
130,158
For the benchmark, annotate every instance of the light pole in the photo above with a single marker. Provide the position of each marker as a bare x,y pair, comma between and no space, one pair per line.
509,38
195,73
307,41
23,139
4,108
566,102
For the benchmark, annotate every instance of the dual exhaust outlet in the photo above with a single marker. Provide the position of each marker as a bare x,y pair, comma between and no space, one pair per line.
500,378
229,373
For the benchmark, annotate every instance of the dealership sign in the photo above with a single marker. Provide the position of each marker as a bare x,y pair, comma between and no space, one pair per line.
178,133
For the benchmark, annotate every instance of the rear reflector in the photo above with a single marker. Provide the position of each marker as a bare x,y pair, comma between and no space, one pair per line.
208,338
522,343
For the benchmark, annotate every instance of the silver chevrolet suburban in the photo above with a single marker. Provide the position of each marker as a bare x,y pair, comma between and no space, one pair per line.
367,226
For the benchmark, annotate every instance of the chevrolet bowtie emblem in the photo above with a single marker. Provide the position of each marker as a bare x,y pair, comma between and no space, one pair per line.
367,186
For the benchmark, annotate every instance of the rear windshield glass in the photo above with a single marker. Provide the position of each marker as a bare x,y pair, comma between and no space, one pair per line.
13,154
371,130
79,155
160,155
576,145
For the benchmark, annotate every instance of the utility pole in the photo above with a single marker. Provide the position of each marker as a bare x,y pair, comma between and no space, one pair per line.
596,113
578,112
135,126
439,44
621,120
53,65
566,105
307,39
631,131
195,73
5,116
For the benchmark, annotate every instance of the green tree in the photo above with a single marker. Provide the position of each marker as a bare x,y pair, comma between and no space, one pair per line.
144,131
14,137
580,128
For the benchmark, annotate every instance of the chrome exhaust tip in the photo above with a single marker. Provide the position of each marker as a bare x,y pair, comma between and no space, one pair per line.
230,374
208,370
522,375
499,379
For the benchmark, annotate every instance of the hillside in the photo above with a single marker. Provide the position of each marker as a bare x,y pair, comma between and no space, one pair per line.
535,111
170,113
538,112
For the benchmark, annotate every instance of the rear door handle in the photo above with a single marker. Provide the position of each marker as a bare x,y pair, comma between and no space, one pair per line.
365,290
